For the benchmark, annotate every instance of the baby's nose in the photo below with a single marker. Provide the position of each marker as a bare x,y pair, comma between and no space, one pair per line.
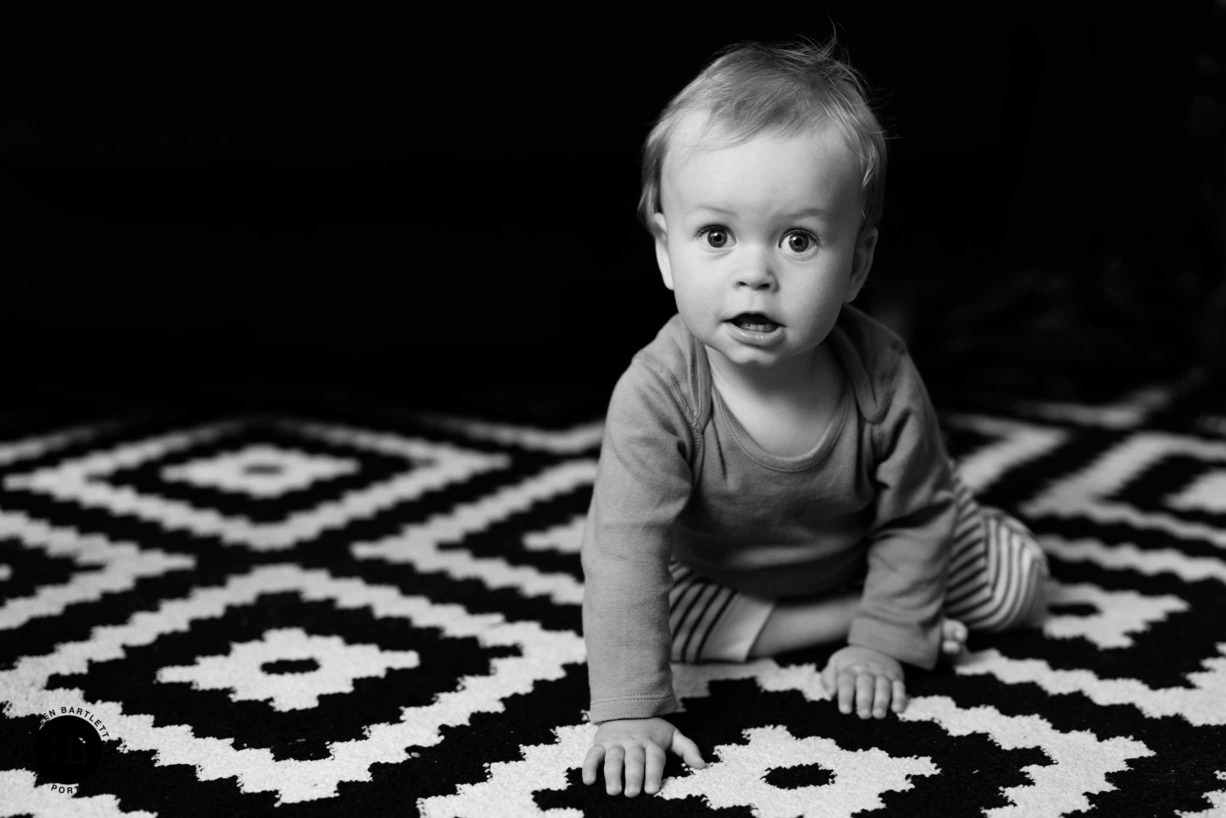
757,274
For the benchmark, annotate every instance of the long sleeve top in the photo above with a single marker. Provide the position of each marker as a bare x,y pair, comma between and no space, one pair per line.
680,478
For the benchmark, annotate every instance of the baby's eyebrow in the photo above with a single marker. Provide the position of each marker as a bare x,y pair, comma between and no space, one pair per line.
723,211
809,212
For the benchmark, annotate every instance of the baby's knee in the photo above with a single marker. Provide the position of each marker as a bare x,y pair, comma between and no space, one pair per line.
1009,589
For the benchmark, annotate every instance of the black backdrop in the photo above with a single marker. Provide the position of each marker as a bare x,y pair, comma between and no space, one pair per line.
407,202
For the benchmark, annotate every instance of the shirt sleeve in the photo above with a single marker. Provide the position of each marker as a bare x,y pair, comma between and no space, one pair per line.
643,482
912,533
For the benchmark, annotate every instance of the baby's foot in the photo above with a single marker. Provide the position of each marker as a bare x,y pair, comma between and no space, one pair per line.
953,637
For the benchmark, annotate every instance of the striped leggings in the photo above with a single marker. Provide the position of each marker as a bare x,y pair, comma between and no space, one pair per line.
997,579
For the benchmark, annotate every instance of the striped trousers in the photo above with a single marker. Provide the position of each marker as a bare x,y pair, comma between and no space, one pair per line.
997,579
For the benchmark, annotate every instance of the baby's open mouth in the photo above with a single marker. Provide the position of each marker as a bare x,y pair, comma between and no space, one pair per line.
755,322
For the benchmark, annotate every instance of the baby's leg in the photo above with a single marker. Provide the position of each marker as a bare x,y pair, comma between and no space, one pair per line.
998,573
711,622
794,626
806,624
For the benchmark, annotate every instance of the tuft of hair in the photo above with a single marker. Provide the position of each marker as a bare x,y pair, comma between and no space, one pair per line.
749,88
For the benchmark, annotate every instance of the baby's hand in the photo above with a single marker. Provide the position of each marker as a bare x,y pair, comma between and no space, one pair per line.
867,679
638,745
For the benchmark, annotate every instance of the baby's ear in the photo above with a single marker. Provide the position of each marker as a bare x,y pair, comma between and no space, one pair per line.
660,231
862,262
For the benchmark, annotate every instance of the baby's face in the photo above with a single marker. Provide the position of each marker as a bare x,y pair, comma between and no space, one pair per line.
760,242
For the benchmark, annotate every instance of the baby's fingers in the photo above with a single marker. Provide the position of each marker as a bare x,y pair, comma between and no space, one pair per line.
613,759
900,696
591,764
655,769
688,750
881,699
866,684
846,690
635,762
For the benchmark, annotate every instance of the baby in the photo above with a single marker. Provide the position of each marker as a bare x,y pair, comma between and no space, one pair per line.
772,474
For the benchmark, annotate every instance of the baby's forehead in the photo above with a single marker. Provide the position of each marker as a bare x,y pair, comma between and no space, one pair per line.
777,170
698,135
701,132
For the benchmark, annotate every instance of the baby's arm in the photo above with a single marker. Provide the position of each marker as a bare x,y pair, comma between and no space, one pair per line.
638,746
899,617
643,481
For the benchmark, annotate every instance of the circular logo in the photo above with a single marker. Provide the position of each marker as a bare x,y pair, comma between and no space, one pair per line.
67,750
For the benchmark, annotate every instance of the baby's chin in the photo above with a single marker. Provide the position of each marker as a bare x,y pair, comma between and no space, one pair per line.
783,361
750,358
756,361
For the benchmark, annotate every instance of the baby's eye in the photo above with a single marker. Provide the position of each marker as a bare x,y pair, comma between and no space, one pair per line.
717,238
799,241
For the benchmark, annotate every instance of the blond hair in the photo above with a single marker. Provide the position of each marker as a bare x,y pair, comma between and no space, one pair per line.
749,88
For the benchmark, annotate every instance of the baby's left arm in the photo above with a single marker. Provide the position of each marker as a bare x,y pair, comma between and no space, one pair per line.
911,536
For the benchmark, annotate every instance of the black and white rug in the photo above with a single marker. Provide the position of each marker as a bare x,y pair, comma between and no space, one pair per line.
304,614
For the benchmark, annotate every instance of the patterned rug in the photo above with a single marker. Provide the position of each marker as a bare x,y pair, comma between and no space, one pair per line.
379,613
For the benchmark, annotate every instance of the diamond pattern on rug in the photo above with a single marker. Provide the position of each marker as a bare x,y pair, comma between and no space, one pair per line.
321,665
1106,618
260,470
52,568
106,673
1161,464
129,479
280,613
740,776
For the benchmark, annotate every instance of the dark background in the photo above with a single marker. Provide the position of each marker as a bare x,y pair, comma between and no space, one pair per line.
441,211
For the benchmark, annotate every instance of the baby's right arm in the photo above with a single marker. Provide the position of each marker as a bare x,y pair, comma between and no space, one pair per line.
643,482
637,746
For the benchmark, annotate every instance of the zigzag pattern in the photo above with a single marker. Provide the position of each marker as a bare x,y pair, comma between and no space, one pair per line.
291,614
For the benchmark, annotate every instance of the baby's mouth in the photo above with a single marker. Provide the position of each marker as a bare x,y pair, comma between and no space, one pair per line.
755,322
